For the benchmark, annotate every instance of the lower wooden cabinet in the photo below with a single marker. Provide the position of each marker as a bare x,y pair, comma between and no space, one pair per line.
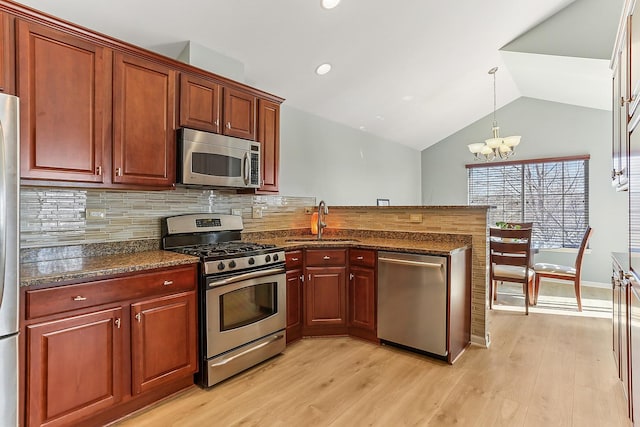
74,367
115,352
325,292
163,340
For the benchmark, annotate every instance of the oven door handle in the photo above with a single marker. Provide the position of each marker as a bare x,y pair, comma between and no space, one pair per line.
247,351
246,276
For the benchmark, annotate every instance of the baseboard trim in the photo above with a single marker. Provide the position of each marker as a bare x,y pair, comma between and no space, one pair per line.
481,341
584,283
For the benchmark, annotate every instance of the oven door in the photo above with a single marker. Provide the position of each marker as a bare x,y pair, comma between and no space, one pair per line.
243,308
218,161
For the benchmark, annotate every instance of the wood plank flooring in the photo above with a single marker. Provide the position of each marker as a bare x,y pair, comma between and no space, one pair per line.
540,370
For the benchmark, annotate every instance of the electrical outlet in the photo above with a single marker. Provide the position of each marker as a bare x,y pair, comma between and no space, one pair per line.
256,212
236,211
95,214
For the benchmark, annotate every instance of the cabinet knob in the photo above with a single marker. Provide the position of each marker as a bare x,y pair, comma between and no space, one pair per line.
79,298
168,282
99,170
118,171
228,125
350,276
138,317
309,277
294,259
217,123
117,322
302,277
326,257
360,258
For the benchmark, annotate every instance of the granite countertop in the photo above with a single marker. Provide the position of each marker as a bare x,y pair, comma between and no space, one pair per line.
92,267
425,243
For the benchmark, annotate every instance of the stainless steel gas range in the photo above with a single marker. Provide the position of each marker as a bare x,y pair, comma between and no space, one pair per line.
242,293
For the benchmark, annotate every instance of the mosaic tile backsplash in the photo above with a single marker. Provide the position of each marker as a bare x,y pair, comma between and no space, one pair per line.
54,216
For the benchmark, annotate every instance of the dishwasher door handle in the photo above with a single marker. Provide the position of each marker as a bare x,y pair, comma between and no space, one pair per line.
407,262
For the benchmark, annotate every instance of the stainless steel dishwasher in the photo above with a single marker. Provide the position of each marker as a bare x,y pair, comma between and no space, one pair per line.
412,301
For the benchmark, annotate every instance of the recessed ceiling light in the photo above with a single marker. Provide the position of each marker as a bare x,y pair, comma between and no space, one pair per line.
329,4
323,69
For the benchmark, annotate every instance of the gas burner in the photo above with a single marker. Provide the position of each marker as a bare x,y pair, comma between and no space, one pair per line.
225,249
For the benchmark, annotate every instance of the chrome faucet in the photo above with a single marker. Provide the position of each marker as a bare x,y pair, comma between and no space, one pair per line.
322,211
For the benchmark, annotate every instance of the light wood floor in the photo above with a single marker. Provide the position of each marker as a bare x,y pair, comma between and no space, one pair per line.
540,370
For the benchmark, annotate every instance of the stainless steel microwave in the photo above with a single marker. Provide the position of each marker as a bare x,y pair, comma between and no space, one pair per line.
211,160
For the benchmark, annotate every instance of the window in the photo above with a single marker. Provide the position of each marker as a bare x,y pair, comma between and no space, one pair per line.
552,193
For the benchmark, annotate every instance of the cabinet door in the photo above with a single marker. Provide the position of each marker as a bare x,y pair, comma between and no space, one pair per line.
239,114
64,89
294,305
7,54
362,299
200,101
144,116
163,340
325,296
74,367
635,354
269,138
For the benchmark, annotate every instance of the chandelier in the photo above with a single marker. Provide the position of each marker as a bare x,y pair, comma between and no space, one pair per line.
495,147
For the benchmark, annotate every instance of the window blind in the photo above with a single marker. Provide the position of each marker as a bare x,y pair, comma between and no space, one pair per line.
551,193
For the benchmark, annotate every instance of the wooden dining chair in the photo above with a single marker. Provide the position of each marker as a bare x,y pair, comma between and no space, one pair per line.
563,272
510,260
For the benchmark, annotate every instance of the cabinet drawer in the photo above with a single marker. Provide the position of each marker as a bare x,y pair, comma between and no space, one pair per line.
43,302
293,260
323,257
362,257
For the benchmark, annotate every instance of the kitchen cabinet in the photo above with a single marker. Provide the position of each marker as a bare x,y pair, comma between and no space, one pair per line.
325,292
7,54
621,325
634,330
269,139
163,340
239,112
620,115
144,97
75,367
200,103
295,282
362,294
64,88
98,350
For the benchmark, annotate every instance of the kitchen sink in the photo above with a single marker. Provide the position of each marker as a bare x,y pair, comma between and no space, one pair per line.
323,240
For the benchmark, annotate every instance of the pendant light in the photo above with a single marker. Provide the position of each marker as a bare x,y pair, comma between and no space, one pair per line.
495,147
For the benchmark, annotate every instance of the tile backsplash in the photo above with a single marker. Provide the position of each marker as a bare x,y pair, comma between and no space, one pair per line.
57,216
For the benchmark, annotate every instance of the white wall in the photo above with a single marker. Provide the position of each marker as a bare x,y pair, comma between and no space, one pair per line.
548,129
344,166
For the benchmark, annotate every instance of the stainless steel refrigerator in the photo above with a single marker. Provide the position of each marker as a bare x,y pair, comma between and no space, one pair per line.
9,247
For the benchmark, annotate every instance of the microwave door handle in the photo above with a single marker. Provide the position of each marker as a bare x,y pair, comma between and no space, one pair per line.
247,169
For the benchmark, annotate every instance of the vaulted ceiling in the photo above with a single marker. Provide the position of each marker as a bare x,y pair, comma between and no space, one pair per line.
410,71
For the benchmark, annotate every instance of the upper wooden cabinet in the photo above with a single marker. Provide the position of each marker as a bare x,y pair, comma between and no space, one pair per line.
200,102
144,97
269,138
7,54
239,113
64,89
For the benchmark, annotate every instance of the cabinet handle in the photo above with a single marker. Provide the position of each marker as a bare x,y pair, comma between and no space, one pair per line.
168,282
118,171
326,257
117,322
350,276
79,298
302,277
217,123
228,125
138,317
99,170
309,277
360,258
294,259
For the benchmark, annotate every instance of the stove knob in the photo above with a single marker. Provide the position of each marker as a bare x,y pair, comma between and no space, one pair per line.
267,258
232,264
221,266
275,257
252,261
